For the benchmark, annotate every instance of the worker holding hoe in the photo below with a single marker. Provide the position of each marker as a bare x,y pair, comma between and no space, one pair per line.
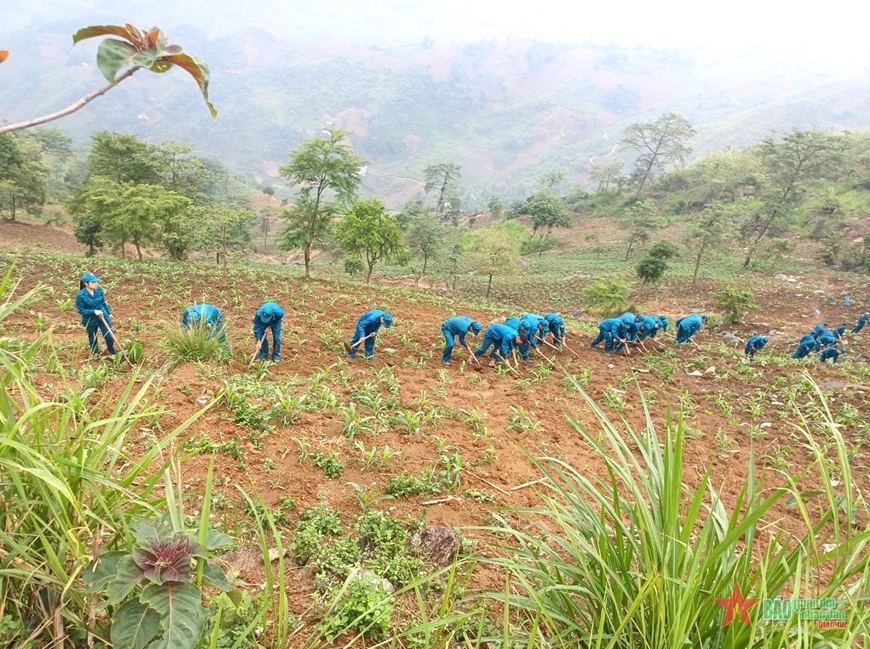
556,326
269,316
806,345
91,304
688,326
861,322
205,315
502,339
366,329
612,332
755,345
455,327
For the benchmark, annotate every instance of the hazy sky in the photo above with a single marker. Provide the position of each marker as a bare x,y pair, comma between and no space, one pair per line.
832,33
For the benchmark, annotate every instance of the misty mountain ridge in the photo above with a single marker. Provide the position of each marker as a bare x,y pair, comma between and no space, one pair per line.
506,111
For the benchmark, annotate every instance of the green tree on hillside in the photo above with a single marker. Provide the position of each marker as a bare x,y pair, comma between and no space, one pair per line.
327,171
709,231
789,165
370,233
425,236
640,221
23,175
607,177
495,252
650,270
443,177
657,144
553,179
222,228
495,206
123,158
547,211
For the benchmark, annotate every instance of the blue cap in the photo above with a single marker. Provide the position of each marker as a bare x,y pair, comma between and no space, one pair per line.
476,327
388,320
266,317
90,277
705,318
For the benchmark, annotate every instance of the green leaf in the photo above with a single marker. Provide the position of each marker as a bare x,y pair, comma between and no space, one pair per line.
135,626
98,574
127,578
198,69
804,496
183,615
217,539
113,55
216,577
102,30
236,596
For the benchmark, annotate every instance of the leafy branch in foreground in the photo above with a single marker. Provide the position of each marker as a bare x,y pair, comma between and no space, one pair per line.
139,49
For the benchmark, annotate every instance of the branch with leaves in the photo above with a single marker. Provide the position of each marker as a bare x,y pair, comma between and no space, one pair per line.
139,49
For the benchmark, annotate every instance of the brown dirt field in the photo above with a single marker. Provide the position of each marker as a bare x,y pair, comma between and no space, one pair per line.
316,306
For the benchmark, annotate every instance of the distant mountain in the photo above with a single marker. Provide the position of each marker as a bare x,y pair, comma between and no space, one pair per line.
506,111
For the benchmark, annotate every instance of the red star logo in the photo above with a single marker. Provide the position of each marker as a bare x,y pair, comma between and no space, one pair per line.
740,603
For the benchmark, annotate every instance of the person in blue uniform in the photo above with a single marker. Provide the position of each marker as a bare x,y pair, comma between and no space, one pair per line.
833,353
457,327
96,314
664,320
806,345
755,345
649,326
269,317
827,339
556,326
368,324
513,323
612,332
632,325
532,327
819,329
863,320
841,330
502,339
205,315
688,326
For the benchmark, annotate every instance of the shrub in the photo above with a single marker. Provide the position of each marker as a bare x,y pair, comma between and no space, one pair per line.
197,344
650,270
664,250
734,304
607,297
362,605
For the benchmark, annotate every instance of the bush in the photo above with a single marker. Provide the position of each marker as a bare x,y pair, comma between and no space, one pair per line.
362,605
664,250
607,297
354,266
734,304
200,343
651,269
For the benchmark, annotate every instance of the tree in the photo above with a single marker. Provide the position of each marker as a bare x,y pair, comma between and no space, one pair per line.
547,211
139,49
657,144
123,158
607,176
425,236
495,252
368,232
23,175
443,177
328,174
495,206
664,250
708,233
651,269
552,179
607,297
639,219
788,164
735,303
223,228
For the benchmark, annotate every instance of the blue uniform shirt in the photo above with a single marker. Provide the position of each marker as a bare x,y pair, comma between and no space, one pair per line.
205,313
87,304
458,326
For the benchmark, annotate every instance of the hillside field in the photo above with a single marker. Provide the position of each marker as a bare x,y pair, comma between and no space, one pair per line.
404,414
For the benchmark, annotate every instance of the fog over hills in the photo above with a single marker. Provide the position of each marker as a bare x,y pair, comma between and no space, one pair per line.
508,96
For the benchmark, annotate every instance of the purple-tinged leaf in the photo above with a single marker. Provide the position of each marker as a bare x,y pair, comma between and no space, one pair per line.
102,30
199,71
164,561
